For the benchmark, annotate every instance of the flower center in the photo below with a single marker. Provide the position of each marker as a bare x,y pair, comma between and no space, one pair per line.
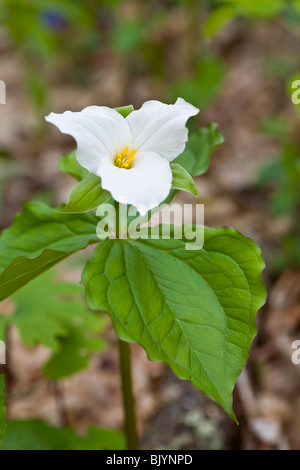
124,159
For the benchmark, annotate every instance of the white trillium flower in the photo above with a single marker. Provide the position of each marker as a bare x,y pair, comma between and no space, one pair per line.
132,155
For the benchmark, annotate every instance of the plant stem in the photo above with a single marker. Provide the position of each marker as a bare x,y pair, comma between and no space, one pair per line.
128,398
126,379
117,224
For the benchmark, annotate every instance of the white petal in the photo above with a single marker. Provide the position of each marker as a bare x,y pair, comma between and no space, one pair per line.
144,186
160,127
100,132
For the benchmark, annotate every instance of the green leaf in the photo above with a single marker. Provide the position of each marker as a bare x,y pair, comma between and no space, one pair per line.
33,314
86,195
22,270
102,439
261,9
37,435
193,310
199,148
82,338
271,173
276,127
284,175
76,347
69,164
55,315
125,110
2,409
182,179
217,19
38,239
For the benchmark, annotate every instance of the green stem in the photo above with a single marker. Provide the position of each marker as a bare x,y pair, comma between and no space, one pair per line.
128,398
117,225
125,371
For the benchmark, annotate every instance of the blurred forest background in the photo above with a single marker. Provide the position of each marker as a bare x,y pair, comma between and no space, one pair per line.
236,61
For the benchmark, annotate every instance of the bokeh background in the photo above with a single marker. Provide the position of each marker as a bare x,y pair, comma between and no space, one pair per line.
236,60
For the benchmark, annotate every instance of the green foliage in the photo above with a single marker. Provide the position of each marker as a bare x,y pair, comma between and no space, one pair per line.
202,87
2,409
182,179
41,32
86,195
201,317
33,32
199,148
218,18
37,89
125,110
78,345
69,164
296,6
128,35
55,315
282,178
284,175
37,435
226,10
275,127
38,239
194,310
261,9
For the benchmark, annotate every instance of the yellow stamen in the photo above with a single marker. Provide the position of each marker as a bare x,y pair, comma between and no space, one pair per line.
118,160
130,155
125,151
123,160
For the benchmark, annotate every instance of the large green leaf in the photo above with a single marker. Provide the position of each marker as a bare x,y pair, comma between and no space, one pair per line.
199,148
38,239
2,408
37,435
194,310
86,195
